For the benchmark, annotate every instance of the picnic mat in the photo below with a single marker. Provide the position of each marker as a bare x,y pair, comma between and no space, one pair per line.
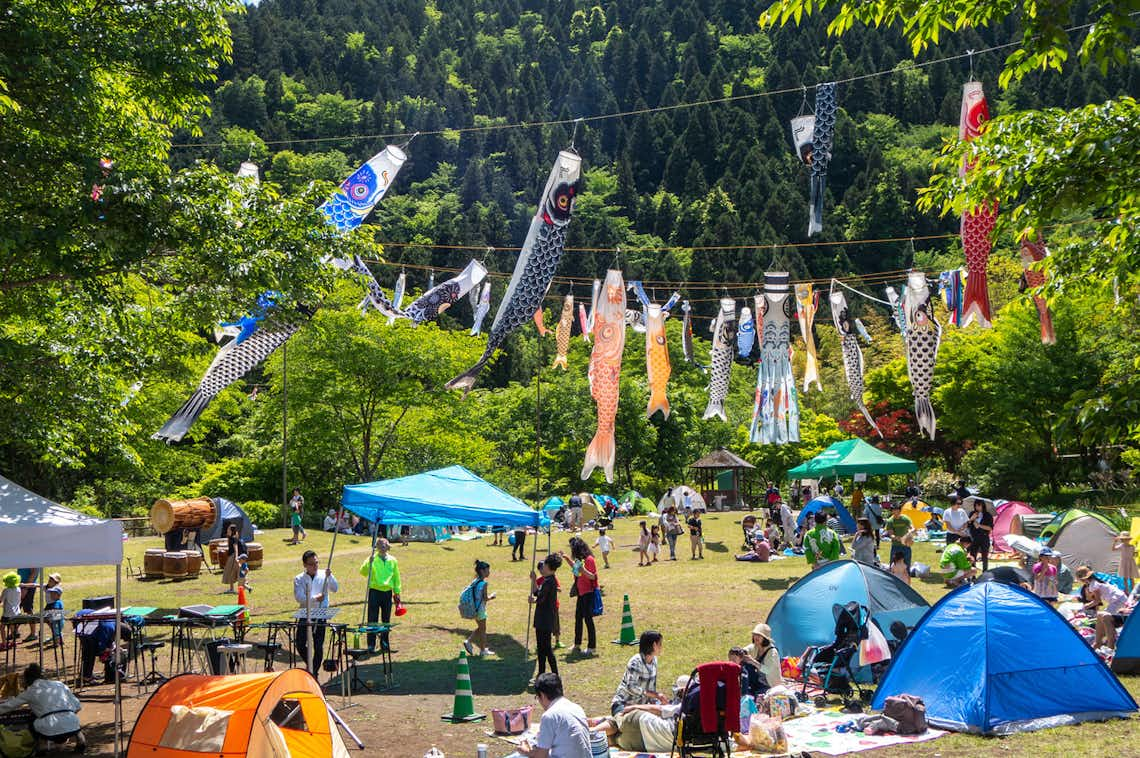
816,733
532,732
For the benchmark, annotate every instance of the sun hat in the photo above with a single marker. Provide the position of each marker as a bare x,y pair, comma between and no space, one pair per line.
1084,573
763,630
55,578
11,579
681,683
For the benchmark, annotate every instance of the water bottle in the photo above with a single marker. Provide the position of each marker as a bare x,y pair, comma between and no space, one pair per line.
747,709
356,640
480,751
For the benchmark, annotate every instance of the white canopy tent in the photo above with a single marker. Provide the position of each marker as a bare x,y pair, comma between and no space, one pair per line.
35,532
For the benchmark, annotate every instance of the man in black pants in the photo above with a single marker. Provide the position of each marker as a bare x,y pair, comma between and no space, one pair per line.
383,575
311,591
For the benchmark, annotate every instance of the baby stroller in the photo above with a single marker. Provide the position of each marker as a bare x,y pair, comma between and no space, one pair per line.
830,666
709,717
748,525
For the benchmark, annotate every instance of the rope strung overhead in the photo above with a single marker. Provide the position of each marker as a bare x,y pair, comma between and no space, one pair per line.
800,89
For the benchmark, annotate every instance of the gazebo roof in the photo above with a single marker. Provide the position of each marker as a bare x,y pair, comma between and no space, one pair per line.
721,459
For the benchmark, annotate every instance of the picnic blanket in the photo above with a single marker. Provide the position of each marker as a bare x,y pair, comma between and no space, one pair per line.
816,733
532,732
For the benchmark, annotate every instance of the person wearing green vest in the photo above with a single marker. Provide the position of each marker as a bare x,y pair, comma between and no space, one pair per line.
901,530
956,563
822,543
383,574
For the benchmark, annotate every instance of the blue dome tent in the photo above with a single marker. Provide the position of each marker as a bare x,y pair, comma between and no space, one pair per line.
802,616
1127,659
993,658
846,520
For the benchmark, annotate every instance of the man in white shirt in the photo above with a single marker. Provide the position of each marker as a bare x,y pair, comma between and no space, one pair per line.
311,591
788,524
562,732
53,705
955,518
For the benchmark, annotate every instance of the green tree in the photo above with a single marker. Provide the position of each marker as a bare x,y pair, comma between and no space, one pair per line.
1040,166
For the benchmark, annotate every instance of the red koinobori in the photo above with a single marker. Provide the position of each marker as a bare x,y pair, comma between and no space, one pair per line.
977,223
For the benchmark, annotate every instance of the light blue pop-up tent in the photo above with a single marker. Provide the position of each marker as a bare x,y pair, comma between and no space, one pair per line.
451,496
993,658
803,614
846,520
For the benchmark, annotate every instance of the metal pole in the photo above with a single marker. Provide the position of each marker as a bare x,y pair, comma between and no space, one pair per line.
537,484
285,431
115,658
42,611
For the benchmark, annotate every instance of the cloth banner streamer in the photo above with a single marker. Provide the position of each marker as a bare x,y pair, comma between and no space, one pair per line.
776,411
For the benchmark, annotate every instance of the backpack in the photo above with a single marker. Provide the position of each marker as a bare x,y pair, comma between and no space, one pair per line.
909,711
469,600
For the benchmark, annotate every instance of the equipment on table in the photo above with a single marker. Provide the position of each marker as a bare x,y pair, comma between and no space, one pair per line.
315,614
100,601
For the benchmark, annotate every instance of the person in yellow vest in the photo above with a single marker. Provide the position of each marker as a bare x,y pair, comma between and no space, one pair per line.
383,574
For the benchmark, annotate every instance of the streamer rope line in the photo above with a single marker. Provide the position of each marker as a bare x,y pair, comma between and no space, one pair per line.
625,114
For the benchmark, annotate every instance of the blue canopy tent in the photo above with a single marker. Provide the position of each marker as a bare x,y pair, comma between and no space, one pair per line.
451,496
827,501
993,658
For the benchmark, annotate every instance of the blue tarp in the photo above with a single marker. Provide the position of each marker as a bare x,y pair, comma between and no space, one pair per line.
802,616
827,501
451,496
995,659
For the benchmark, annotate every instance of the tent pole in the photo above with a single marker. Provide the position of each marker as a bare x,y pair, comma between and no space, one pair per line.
368,583
43,609
115,659
285,432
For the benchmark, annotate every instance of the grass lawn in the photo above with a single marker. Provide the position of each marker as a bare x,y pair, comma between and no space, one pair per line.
702,608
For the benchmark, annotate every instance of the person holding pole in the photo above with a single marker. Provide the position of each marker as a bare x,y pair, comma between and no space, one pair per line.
311,591
383,574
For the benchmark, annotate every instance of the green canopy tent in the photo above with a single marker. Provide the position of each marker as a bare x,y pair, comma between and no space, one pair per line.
852,457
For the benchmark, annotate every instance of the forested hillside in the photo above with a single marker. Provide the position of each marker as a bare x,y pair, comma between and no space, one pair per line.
696,188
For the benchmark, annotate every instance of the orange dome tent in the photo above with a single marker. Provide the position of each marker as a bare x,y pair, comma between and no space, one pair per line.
276,715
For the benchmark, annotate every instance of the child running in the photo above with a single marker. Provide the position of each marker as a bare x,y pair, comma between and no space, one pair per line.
643,546
482,597
605,544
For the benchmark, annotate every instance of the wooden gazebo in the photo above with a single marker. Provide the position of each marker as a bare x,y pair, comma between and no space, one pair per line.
708,473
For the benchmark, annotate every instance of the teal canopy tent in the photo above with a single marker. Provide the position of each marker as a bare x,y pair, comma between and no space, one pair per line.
451,496
852,457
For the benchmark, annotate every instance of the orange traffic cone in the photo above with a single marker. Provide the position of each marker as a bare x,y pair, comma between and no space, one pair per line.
243,602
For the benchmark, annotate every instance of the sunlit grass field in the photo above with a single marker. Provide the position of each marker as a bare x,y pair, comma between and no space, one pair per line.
702,607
